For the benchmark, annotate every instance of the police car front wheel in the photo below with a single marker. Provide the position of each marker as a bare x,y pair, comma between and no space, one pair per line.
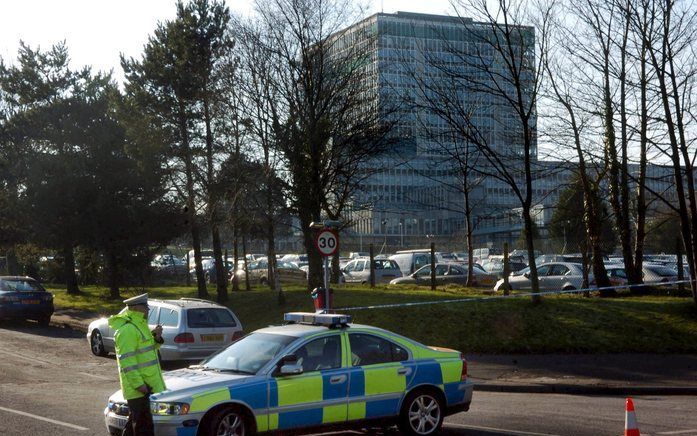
229,421
422,414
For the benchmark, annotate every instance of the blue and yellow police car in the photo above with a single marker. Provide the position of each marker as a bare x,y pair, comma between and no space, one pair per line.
317,371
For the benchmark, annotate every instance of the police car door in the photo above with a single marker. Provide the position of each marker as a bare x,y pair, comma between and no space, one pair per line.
319,395
379,376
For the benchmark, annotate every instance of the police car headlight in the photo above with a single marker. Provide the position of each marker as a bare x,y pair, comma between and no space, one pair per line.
169,408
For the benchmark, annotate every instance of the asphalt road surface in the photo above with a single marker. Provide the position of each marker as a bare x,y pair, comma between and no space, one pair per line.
51,384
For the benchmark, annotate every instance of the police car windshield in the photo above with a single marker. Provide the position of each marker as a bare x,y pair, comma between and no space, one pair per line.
249,354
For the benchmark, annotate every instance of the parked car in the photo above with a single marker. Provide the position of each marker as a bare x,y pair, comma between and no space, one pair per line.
617,276
552,276
259,272
193,329
461,256
316,373
205,254
657,273
298,259
358,271
495,266
442,256
209,271
411,260
168,265
358,254
343,261
25,298
447,273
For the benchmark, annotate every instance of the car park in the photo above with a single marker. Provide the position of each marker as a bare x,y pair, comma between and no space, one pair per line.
25,298
192,328
358,271
553,276
447,273
259,272
315,373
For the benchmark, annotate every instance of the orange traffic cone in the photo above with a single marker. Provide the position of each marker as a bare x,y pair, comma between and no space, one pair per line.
630,425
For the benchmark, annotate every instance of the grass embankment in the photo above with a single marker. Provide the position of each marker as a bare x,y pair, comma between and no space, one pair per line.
568,323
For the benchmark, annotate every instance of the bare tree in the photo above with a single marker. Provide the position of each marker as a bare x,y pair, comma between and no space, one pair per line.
503,57
670,44
320,121
570,122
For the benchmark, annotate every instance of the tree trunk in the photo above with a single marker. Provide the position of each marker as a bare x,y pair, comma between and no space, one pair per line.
335,268
69,270
220,270
314,259
247,284
470,236
643,143
624,218
529,237
191,204
11,264
236,257
113,276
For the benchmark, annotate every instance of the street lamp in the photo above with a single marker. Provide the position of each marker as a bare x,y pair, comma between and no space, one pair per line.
401,232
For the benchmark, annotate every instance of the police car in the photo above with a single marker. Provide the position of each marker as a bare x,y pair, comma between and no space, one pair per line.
318,371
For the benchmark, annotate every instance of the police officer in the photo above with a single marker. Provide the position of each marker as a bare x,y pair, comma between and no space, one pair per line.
139,368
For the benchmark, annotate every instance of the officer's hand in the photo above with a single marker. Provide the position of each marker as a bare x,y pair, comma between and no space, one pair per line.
157,331
143,389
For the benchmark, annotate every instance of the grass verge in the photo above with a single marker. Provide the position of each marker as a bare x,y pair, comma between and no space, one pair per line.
560,324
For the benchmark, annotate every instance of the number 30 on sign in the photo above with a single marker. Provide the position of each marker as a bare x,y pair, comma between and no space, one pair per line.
327,242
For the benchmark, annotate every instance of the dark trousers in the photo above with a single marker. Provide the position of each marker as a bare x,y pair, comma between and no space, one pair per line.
140,419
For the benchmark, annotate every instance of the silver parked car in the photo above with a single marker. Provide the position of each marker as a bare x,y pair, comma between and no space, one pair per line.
193,329
657,273
358,271
552,276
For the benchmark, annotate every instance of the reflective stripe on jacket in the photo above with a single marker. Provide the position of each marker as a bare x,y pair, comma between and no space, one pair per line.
136,353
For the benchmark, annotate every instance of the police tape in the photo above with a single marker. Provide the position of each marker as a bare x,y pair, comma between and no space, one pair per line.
510,296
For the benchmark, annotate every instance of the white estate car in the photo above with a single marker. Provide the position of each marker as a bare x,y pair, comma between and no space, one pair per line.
193,329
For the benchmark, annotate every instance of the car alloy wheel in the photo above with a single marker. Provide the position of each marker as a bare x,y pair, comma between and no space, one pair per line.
97,344
424,415
231,424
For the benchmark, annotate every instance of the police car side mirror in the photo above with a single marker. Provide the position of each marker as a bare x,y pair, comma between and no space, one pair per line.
289,365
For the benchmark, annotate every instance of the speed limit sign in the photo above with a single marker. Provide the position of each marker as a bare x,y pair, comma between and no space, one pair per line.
327,242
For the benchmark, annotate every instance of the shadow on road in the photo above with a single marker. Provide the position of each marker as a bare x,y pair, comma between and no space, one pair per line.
34,328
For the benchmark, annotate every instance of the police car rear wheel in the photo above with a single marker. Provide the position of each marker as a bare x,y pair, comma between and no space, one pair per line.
97,344
228,422
421,414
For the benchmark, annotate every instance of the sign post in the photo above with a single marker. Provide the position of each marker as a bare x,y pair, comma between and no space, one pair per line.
327,242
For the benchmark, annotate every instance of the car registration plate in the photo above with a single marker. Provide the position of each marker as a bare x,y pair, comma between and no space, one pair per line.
30,301
118,422
212,338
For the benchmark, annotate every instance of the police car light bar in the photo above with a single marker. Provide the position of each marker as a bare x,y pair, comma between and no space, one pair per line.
325,319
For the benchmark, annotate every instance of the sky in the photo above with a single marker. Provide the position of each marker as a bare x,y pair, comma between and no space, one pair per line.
98,31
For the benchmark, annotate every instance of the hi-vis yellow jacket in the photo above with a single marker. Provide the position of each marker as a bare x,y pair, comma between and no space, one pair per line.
136,352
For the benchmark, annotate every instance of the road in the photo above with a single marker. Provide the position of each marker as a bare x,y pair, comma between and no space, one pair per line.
51,384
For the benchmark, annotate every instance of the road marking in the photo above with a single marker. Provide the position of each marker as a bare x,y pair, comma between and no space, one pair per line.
502,430
679,432
41,418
